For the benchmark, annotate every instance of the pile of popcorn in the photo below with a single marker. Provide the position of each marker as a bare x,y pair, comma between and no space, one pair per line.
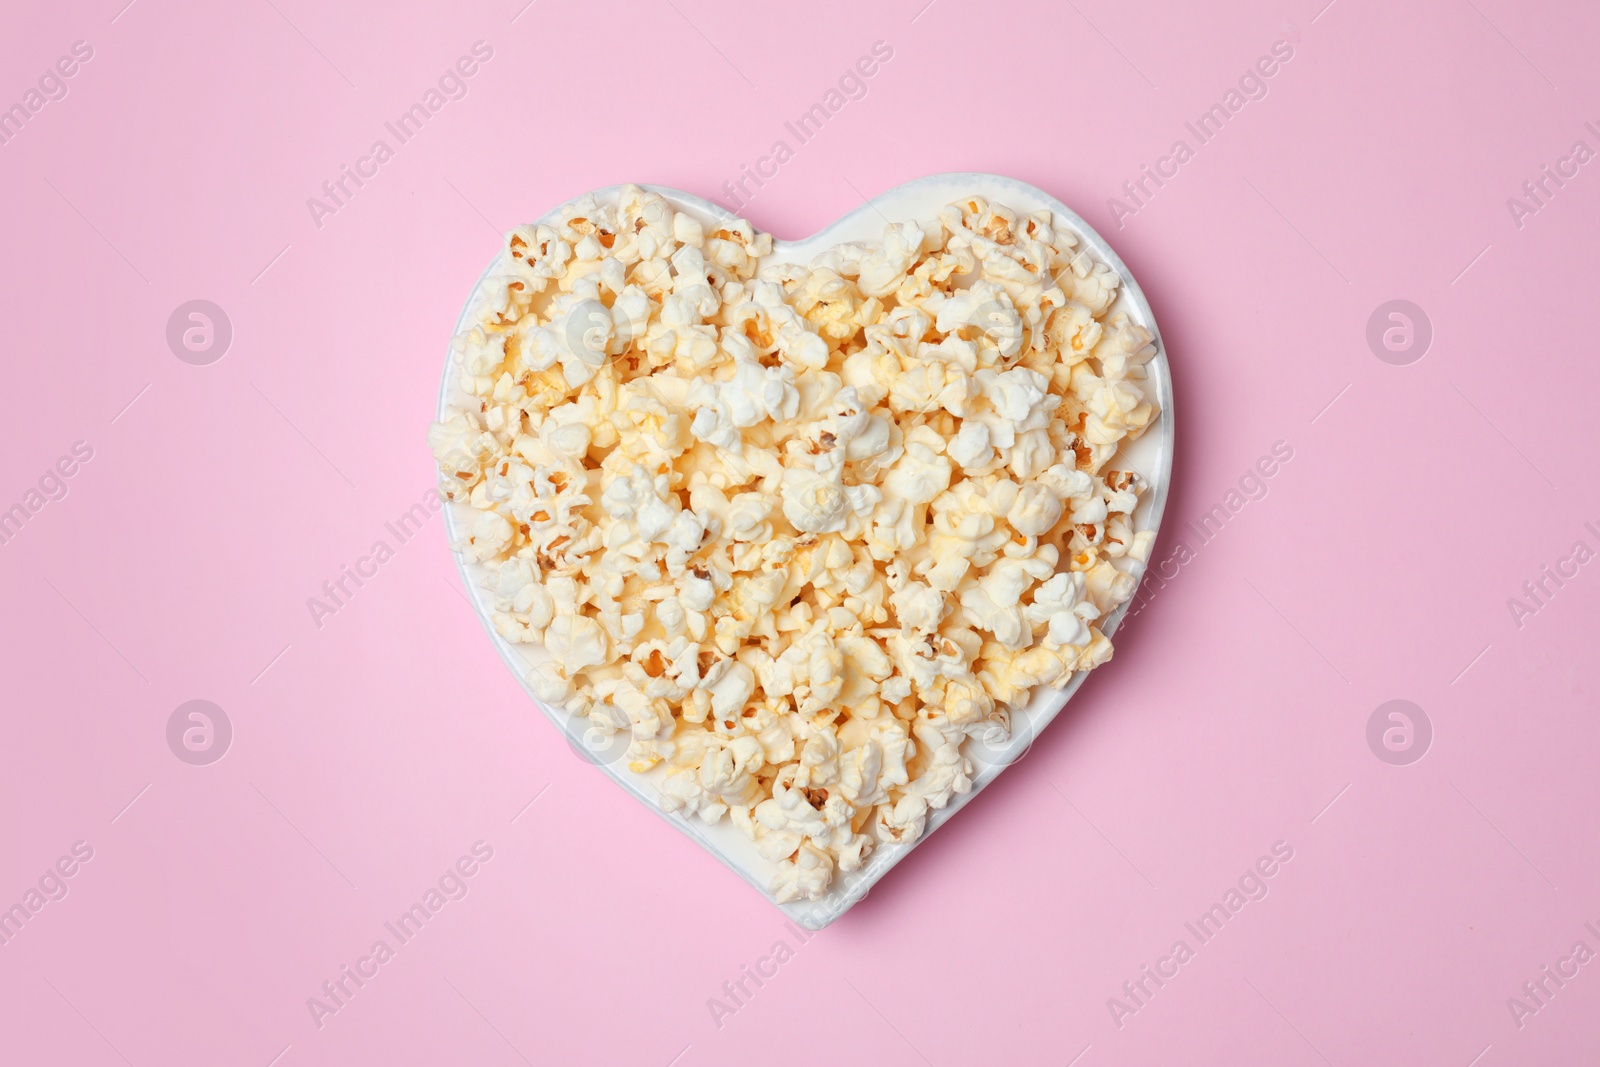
799,531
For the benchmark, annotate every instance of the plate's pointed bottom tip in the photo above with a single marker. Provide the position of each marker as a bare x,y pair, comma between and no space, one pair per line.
815,915
812,922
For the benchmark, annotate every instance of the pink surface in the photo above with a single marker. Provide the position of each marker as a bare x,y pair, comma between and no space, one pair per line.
371,753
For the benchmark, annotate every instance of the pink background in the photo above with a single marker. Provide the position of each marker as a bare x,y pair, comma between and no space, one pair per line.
370,753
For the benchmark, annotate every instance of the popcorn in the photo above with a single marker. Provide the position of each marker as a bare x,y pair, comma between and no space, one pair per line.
731,690
921,474
576,642
812,502
919,607
986,309
970,447
802,531
806,877
1117,410
490,535
1060,605
1035,511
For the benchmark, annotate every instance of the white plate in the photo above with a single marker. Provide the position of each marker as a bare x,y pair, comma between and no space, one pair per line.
1151,456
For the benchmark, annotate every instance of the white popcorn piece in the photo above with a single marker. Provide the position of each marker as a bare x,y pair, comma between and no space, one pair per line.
805,877
576,642
970,447
1035,511
1060,604
490,535
803,532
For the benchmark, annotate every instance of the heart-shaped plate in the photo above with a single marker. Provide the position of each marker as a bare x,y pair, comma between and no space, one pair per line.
1150,455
